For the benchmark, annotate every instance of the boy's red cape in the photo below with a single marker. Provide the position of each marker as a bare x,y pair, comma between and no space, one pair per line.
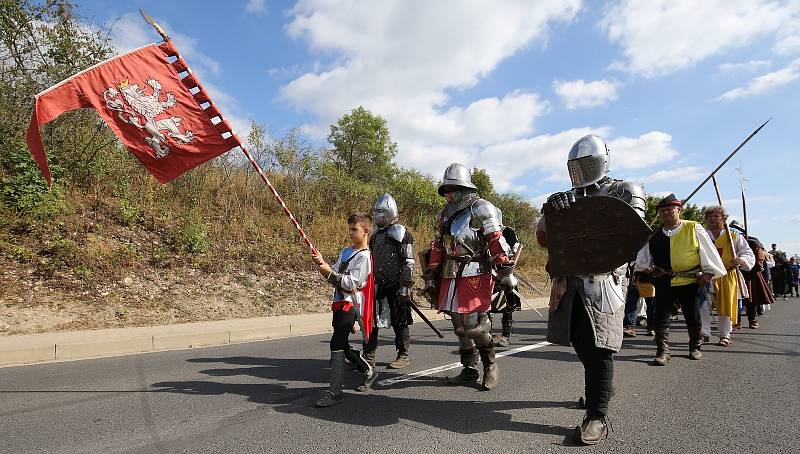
368,317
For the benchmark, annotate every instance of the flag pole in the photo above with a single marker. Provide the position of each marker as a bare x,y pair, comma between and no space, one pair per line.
279,199
261,173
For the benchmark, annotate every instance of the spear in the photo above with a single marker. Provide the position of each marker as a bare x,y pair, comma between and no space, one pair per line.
714,172
711,175
255,165
149,19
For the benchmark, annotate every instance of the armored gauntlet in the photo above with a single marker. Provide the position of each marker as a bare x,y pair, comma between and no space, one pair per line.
561,200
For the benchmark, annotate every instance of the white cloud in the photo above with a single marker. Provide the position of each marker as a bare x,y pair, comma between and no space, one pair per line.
661,36
677,175
399,60
748,66
130,32
547,154
256,6
796,218
765,82
577,93
788,41
652,148
659,194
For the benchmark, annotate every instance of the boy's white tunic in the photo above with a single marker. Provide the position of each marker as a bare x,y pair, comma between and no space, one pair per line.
354,278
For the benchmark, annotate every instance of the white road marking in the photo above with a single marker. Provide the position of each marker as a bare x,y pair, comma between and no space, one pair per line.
446,367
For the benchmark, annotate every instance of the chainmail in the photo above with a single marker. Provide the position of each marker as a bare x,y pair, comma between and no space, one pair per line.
463,199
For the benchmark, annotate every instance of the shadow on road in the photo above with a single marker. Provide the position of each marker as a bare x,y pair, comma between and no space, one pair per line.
463,417
471,416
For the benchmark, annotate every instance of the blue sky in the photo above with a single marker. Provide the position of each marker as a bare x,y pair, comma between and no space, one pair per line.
672,86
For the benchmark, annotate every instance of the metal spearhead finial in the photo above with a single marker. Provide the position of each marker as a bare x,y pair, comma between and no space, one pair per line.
155,25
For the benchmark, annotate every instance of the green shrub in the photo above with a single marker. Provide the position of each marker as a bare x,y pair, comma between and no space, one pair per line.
16,252
192,236
82,271
23,188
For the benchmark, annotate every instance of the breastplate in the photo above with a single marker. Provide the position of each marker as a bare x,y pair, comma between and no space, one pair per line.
464,248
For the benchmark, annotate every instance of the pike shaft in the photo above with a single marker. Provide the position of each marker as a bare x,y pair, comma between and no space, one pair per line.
725,161
744,212
278,197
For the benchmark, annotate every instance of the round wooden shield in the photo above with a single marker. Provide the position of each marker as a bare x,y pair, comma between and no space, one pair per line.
593,236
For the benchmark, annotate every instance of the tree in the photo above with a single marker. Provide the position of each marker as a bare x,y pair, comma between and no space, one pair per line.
362,146
42,43
483,181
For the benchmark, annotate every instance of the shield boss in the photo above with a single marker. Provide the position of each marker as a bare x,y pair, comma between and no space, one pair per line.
594,236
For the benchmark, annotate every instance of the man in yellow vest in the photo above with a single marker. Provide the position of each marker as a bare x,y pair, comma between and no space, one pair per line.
681,258
729,288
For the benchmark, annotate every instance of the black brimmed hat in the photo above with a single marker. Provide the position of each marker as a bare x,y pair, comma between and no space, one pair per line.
668,201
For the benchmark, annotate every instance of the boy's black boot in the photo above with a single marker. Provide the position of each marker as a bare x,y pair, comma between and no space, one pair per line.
334,393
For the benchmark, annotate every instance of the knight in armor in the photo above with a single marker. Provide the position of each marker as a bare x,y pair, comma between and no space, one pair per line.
467,252
392,249
587,311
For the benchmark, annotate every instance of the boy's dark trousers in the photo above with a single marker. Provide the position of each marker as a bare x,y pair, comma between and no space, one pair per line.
343,321
598,363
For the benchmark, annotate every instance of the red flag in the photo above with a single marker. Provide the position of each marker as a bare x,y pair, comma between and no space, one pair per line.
151,109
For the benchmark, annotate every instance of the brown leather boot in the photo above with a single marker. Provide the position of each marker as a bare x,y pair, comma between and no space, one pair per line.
466,376
591,431
501,341
491,373
402,361
469,374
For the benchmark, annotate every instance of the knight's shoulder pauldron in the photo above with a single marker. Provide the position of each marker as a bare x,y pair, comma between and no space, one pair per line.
397,232
628,192
489,217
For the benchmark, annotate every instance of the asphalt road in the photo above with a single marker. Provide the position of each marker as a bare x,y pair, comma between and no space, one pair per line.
258,397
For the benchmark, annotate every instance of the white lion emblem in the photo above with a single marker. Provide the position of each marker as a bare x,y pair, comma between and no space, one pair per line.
141,111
